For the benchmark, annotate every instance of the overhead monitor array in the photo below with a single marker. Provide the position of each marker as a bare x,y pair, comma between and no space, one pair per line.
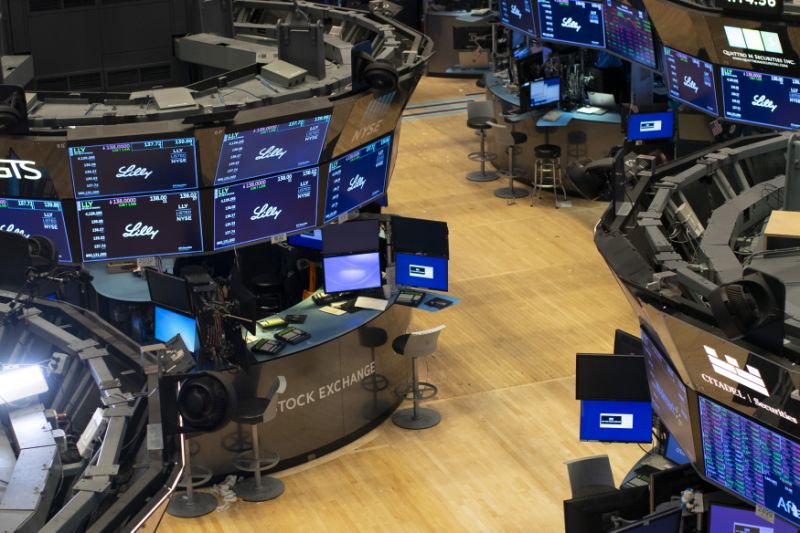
573,22
37,217
518,15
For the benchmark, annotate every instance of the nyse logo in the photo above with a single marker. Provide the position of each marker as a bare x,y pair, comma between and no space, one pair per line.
750,378
690,83
11,228
616,420
19,169
266,211
569,23
367,131
516,12
133,171
759,100
269,153
420,271
140,230
356,182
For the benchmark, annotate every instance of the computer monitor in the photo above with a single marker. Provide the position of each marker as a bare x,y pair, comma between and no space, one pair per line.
545,91
169,323
673,451
762,99
37,217
420,236
573,22
668,394
592,514
743,520
267,150
351,237
352,272
663,522
256,210
611,377
651,126
627,343
307,239
611,421
690,80
517,15
668,484
764,475
171,292
133,167
421,271
629,33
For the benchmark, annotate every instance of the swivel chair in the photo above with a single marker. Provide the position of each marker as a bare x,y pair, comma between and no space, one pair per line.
547,172
590,475
252,412
480,117
415,345
510,193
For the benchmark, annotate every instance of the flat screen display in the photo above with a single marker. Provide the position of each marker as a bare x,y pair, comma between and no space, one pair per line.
351,237
649,126
762,99
357,178
691,81
751,460
271,149
133,167
421,271
37,217
140,226
616,421
674,452
572,21
545,91
352,272
420,236
517,15
169,323
597,377
307,239
258,209
739,520
629,33
169,291
668,395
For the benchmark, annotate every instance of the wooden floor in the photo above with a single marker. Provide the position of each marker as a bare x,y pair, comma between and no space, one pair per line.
534,291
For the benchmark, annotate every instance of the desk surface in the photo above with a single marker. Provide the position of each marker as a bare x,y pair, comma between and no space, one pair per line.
122,286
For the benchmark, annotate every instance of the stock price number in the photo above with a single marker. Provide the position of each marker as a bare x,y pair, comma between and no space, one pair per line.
768,7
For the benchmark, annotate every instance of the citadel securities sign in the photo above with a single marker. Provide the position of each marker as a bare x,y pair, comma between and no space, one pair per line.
309,397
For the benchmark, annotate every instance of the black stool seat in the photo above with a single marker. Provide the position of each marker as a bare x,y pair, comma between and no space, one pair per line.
250,411
399,344
547,151
265,281
479,123
372,337
518,137
480,82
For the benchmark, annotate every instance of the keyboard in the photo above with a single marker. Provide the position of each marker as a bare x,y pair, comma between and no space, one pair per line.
552,116
410,298
268,346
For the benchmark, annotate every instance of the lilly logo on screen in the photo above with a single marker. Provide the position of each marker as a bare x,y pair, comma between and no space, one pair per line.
140,230
750,378
269,153
356,182
19,169
569,23
11,228
516,12
134,171
690,83
760,100
266,211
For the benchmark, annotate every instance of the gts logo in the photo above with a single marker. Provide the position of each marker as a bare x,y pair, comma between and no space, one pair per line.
19,169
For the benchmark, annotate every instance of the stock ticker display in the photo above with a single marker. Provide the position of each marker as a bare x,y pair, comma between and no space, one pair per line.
629,33
254,210
517,14
156,165
271,149
763,99
690,80
139,226
357,178
572,21
36,217
751,460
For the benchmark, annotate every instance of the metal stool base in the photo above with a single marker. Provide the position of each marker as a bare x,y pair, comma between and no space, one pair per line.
269,489
481,176
509,194
201,503
426,418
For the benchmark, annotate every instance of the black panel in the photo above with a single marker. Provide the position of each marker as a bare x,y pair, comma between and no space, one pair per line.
611,377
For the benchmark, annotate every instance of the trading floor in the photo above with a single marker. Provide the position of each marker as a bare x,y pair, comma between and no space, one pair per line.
534,291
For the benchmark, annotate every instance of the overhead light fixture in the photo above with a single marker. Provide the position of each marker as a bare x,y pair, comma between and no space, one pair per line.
21,382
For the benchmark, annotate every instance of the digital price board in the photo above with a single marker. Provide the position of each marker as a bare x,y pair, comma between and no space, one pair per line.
140,226
37,217
763,99
133,167
572,21
357,178
629,33
254,210
690,80
768,8
271,149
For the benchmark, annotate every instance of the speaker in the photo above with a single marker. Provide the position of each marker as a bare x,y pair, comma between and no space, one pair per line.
204,401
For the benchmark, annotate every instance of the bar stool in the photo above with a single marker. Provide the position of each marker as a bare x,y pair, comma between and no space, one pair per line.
252,412
480,117
415,345
576,145
373,337
510,193
547,172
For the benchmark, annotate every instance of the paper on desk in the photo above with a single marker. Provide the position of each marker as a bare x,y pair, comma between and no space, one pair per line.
332,310
365,302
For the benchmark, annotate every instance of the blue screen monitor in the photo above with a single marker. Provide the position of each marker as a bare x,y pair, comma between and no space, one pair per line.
573,22
739,520
763,99
256,210
750,460
357,178
37,217
169,323
691,81
421,271
308,239
271,149
517,15
673,451
650,126
352,272
611,421
629,33
545,91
